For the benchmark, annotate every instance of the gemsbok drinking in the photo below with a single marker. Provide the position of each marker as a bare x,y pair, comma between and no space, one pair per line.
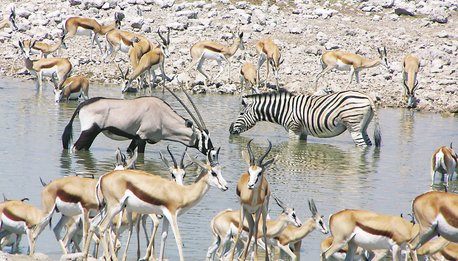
436,213
320,116
444,162
60,67
142,120
344,61
368,230
139,191
410,69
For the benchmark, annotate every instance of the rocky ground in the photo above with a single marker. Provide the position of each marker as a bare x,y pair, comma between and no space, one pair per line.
303,30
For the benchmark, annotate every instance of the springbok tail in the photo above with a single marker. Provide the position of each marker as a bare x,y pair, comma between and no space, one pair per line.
98,193
377,131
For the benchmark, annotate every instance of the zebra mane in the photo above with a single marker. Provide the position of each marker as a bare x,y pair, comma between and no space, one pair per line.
269,94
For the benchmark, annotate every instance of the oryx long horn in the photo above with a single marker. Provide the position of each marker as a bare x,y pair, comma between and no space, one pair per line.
175,165
186,108
279,202
265,154
195,108
182,158
162,37
250,153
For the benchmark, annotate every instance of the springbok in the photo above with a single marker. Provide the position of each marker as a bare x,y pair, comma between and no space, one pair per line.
146,119
72,89
88,26
122,162
368,230
144,45
410,69
444,161
148,63
292,236
118,40
268,50
354,63
71,196
226,222
19,218
436,213
45,66
254,192
8,238
248,74
144,193
203,50
44,48
10,21
439,249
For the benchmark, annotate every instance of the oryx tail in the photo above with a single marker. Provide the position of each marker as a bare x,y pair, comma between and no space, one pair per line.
67,136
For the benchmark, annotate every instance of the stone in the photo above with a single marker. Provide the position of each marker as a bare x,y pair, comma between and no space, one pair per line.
74,2
190,14
177,26
137,22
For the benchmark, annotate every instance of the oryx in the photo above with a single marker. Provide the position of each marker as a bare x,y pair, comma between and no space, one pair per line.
142,120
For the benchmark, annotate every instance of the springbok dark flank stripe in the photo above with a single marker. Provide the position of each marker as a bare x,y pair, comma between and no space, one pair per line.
320,116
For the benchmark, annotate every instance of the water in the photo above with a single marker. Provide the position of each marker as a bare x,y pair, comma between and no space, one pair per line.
333,171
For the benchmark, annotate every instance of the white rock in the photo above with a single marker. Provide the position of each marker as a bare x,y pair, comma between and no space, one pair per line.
24,13
324,13
177,26
74,2
106,6
331,45
259,17
137,22
190,14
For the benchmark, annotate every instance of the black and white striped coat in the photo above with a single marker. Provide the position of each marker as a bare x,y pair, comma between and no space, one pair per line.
319,116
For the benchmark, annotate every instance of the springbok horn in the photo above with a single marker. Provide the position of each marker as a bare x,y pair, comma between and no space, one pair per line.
25,199
168,35
267,152
185,107
213,161
43,183
250,153
312,209
280,203
4,197
195,109
120,70
182,158
162,37
451,145
175,165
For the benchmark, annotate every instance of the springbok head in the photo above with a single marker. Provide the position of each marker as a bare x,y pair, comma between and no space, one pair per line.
126,86
257,167
122,162
317,217
118,18
411,99
164,43
213,169
275,63
26,49
59,92
239,39
292,217
383,57
178,171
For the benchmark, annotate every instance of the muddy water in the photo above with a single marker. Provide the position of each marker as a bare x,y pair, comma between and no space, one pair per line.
331,171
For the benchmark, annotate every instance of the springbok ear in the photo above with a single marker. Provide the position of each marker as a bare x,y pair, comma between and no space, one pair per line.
384,50
131,163
20,44
33,43
241,35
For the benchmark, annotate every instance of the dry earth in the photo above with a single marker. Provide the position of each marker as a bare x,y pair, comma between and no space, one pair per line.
302,29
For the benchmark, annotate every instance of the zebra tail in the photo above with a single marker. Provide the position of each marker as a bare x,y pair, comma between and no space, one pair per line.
377,131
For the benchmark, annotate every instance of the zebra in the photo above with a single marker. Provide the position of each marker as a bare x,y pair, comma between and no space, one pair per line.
319,116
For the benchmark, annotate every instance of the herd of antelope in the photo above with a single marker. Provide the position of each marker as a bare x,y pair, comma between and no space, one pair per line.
99,210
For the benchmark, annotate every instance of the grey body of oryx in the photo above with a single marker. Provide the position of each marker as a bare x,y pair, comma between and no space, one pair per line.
142,120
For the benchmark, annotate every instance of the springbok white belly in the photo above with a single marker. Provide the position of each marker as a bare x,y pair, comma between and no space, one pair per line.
75,95
446,230
135,204
68,209
212,55
124,48
371,241
83,31
49,71
16,227
341,66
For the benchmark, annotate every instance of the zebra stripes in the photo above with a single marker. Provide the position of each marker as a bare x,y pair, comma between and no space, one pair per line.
319,116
